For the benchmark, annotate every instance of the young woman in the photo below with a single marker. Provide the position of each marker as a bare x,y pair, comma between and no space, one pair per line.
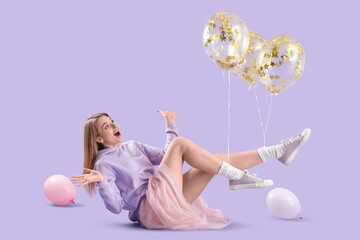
124,174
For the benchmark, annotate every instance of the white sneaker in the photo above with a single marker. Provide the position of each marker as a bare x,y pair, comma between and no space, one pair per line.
249,180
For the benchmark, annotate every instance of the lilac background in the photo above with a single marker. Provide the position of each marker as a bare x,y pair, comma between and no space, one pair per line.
62,61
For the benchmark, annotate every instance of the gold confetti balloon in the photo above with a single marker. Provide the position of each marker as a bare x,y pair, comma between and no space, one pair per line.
226,39
247,68
281,62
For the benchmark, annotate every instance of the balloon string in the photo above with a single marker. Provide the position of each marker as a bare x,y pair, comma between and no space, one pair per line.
261,124
229,119
267,120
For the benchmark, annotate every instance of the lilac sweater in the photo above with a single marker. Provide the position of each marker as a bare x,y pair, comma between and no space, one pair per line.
126,170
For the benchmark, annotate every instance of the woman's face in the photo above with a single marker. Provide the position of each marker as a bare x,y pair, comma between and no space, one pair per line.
108,130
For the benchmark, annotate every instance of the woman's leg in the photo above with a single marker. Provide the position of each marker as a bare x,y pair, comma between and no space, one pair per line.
242,160
182,149
205,164
195,180
194,183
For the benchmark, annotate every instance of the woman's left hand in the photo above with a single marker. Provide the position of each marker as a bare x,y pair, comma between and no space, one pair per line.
169,116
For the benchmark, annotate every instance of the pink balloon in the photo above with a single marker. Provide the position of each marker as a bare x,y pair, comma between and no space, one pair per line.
283,203
59,190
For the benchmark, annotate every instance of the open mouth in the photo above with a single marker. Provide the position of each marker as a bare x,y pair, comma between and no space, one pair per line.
117,133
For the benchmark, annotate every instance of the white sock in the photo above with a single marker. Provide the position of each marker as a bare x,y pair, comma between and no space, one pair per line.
272,152
226,170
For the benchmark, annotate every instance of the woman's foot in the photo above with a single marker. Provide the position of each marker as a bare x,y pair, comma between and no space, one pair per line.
249,180
285,151
293,145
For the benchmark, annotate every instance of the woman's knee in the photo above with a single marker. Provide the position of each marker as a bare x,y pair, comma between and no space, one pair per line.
180,142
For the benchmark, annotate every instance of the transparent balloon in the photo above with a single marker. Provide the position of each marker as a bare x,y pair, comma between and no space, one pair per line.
247,68
226,39
281,62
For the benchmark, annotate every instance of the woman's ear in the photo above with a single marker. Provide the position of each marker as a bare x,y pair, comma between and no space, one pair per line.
99,140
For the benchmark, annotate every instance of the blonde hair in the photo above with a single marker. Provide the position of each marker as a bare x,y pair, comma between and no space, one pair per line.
91,148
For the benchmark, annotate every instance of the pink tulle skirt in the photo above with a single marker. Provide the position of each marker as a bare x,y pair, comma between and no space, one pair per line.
164,206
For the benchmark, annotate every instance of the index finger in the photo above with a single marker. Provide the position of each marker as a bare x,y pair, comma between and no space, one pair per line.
78,176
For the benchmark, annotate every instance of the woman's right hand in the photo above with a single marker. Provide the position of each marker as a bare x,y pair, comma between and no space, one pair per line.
168,115
92,176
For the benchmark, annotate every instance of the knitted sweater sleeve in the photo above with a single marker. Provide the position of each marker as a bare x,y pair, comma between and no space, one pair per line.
108,189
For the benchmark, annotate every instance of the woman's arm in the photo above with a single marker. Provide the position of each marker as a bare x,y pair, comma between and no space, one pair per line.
171,133
107,188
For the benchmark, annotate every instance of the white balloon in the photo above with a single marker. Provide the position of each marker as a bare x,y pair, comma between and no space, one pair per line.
283,203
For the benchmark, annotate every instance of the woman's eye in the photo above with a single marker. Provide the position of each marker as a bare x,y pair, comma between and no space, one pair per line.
106,126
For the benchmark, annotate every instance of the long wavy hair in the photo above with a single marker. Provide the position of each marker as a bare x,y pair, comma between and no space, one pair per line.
91,148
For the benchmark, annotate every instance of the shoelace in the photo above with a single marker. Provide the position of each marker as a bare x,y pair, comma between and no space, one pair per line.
289,140
249,173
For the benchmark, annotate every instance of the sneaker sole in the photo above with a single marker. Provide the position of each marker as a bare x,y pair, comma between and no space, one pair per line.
306,133
267,183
